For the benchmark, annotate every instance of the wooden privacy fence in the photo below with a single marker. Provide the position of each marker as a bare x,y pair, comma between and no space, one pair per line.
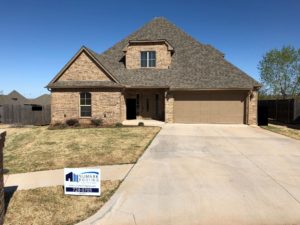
282,110
2,203
25,114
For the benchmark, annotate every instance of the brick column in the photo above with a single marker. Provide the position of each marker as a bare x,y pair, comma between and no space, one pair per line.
252,111
169,108
2,206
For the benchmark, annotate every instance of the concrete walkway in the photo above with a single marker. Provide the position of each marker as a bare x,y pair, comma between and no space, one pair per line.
151,123
56,177
210,174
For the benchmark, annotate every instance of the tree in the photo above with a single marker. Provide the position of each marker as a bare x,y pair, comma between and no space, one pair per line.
280,72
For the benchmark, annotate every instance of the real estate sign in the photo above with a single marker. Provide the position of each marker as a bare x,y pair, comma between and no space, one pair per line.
82,181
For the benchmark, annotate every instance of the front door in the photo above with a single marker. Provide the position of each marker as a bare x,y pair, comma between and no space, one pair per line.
130,109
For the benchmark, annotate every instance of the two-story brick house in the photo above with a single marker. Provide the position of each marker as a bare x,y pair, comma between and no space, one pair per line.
158,72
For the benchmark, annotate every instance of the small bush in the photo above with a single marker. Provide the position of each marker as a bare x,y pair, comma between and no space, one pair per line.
72,122
77,124
141,124
97,122
118,124
57,125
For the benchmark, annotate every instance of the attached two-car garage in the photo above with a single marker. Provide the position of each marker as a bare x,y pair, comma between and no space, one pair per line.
226,107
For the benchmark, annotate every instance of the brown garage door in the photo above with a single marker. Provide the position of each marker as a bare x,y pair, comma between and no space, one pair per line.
210,107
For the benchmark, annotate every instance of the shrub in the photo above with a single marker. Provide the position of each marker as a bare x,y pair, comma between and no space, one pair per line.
141,124
97,122
72,122
57,125
77,124
118,124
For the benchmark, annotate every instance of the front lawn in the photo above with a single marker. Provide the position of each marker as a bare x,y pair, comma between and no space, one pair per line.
50,206
284,130
37,148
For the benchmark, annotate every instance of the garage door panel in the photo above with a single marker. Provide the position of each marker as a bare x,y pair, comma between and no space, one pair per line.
209,107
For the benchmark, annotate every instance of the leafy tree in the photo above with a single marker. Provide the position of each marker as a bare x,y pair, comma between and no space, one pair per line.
280,72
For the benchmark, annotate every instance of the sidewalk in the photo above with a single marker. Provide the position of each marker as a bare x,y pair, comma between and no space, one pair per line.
150,123
56,177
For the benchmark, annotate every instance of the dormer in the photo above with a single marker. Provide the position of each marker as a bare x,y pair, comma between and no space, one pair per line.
152,54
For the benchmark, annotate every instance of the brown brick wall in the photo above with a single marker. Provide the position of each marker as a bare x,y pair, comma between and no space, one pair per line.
83,68
133,55
252,105
2,205
108,105
169,108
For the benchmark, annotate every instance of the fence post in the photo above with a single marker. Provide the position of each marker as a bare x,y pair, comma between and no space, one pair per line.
289,111
276,104
2,203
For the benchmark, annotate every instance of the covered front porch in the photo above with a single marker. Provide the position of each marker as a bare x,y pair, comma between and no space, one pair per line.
145,104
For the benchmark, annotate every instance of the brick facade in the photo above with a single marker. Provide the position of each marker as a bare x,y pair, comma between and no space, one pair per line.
252,108
83,68
169,108
133,55
108,105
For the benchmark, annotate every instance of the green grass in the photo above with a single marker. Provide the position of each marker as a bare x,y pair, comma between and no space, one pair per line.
37,148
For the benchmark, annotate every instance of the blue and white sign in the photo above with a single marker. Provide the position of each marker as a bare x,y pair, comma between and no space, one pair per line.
82,181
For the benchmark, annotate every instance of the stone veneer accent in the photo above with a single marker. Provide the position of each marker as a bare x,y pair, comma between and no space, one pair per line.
83,68
169,108
133,55
2,204
252,108
108,105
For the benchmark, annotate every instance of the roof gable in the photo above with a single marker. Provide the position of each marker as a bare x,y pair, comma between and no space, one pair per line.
145,42
84,66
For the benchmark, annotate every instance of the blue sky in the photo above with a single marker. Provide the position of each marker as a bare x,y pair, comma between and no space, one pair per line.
38,37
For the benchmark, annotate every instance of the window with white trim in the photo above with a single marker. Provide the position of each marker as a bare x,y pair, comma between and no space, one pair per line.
85,104
148,59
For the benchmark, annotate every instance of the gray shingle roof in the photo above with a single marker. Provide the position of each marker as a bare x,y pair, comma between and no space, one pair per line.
193,66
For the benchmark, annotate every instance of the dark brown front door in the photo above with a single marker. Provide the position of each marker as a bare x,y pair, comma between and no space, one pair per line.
130,109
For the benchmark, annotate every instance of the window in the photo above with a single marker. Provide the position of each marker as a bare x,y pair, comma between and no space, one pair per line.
36,108
85,104
148,59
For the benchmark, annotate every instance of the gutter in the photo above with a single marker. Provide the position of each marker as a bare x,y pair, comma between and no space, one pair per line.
146,87
210,89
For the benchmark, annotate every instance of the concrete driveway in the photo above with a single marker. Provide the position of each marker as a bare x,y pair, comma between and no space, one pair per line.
210,174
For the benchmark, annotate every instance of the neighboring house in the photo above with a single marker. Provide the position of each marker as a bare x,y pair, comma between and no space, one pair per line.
158,72
15,108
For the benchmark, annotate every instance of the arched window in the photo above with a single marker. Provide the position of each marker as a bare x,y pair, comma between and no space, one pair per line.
85,104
